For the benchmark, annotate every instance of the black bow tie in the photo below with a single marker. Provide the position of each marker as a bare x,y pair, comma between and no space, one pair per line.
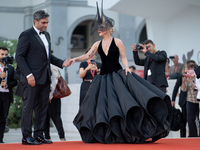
41,32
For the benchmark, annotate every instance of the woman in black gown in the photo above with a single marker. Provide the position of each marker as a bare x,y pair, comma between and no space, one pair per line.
120,106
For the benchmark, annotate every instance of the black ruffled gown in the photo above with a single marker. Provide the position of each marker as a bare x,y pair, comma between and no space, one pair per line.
121,108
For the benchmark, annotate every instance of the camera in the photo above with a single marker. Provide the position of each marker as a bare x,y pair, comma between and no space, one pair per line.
171,57
92,61
139,47
7,60
195,88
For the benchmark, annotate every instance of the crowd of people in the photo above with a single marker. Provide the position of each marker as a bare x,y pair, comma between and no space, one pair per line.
113,107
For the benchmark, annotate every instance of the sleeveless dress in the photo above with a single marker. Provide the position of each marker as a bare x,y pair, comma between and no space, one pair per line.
120,108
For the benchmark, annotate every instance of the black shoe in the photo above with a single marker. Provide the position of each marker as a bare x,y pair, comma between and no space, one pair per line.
30,141
42,140
1,141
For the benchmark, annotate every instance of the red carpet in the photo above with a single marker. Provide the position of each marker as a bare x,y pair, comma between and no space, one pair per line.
163,144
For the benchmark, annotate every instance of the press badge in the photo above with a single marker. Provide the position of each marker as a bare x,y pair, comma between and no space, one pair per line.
149,72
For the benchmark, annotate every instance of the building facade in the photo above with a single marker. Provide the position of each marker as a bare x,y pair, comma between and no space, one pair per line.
69,26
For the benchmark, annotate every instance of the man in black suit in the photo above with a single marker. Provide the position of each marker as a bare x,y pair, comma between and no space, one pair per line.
33,58
6,93
154,63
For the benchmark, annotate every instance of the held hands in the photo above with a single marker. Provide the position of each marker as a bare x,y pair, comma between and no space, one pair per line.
31,80
68,62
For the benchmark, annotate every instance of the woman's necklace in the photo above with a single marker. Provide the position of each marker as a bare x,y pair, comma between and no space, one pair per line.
106,43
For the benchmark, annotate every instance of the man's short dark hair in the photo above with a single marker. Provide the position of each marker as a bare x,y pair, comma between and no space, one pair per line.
4,48
40,14
147,42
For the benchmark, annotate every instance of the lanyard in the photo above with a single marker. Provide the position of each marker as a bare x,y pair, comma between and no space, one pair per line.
175,68
92,71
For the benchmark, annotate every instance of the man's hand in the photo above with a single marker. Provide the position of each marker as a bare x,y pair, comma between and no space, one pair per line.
173,103
189,74
31,80
3,75
3,83
144,50
134,47
67,62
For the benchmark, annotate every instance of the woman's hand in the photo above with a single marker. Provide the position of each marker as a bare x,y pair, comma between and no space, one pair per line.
193,85
72,61
89,67
94,67
183,79
127,70
68,62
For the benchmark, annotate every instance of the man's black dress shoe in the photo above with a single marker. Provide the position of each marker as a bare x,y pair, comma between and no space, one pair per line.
42,140
30,141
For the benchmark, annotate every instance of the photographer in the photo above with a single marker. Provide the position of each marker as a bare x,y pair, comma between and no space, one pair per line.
87,70
176,69
7,83
192,104
154,63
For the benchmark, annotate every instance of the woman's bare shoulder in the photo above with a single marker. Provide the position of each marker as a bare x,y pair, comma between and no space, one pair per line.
96,44
118,41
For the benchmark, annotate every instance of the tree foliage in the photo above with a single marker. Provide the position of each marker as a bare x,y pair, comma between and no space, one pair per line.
15,111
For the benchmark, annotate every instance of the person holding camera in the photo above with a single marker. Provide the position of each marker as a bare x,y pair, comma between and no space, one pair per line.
193,73
176,69
7,83
182,98
87,70
192,104
154,63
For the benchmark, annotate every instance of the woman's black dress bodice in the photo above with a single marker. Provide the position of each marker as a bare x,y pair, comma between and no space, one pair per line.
110,62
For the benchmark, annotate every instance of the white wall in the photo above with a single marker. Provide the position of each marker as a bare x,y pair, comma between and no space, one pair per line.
178,35
69,108
15,23
156,31
20,3
184,33
79,12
